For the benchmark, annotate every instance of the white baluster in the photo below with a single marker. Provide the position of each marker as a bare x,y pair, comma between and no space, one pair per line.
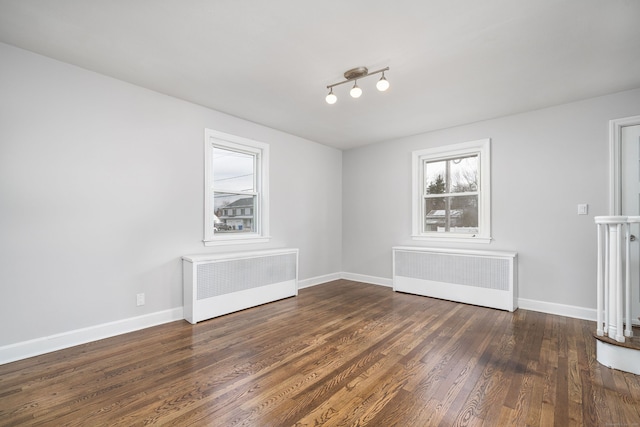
614,249
607,282
600,284
618,286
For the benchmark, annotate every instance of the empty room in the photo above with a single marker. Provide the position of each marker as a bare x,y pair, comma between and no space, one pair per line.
290,213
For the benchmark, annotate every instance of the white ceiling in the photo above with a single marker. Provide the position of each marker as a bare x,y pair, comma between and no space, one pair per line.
451,61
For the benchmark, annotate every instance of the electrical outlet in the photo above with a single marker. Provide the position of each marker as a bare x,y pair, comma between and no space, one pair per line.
139,299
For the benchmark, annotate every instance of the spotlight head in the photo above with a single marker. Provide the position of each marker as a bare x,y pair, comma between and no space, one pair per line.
331,98
355,91
383,84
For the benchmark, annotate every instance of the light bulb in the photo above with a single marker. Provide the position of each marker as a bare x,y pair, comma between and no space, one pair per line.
355,91
382,84
331,98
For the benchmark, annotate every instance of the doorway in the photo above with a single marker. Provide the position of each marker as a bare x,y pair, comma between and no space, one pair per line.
625,200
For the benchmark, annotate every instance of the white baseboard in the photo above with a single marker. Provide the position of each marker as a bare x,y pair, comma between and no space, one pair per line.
318,280
559,309
38,346
368,279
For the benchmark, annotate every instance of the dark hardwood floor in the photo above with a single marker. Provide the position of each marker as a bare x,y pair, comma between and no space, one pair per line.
340,354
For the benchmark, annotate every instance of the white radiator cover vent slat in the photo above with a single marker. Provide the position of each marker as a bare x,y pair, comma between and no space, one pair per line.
486,278
491,273
228,276
217,284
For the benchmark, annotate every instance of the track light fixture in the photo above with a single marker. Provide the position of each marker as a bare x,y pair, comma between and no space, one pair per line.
353,75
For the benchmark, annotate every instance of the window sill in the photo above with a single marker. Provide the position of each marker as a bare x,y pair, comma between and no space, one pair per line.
452,238
236,240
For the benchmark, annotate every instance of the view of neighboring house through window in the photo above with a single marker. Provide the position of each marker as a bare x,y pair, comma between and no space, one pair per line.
236,199
451,192
234,190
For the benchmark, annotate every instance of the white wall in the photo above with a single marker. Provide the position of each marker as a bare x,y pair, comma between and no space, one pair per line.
544,163
101,192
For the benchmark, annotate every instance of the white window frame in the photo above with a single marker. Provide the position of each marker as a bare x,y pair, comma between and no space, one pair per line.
260,150
482,148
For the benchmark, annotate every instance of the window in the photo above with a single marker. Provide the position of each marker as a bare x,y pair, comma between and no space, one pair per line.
451,192
236,189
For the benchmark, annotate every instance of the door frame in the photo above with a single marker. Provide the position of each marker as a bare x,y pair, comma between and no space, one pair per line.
615,169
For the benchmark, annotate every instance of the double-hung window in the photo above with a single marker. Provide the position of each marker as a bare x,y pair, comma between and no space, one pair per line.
451,192
236,189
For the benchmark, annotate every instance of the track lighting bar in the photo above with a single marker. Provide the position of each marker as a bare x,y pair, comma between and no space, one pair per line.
352,76
366,74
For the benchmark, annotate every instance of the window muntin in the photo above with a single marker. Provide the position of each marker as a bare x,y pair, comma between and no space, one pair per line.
236,199
451,192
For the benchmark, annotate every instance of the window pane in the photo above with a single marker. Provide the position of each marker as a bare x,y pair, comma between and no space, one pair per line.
467,219
233,213
435,217
232,170
435,177
458,175
463,174
458,214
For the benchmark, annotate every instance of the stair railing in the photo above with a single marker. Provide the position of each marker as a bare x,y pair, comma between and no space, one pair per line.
614,286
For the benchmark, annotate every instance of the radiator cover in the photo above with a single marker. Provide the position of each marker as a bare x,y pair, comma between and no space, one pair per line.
217,284
485,278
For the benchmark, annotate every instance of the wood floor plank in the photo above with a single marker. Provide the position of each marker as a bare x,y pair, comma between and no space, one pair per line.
339,354
445,392
574,386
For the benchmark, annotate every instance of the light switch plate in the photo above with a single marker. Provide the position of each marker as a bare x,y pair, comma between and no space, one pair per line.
583,209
